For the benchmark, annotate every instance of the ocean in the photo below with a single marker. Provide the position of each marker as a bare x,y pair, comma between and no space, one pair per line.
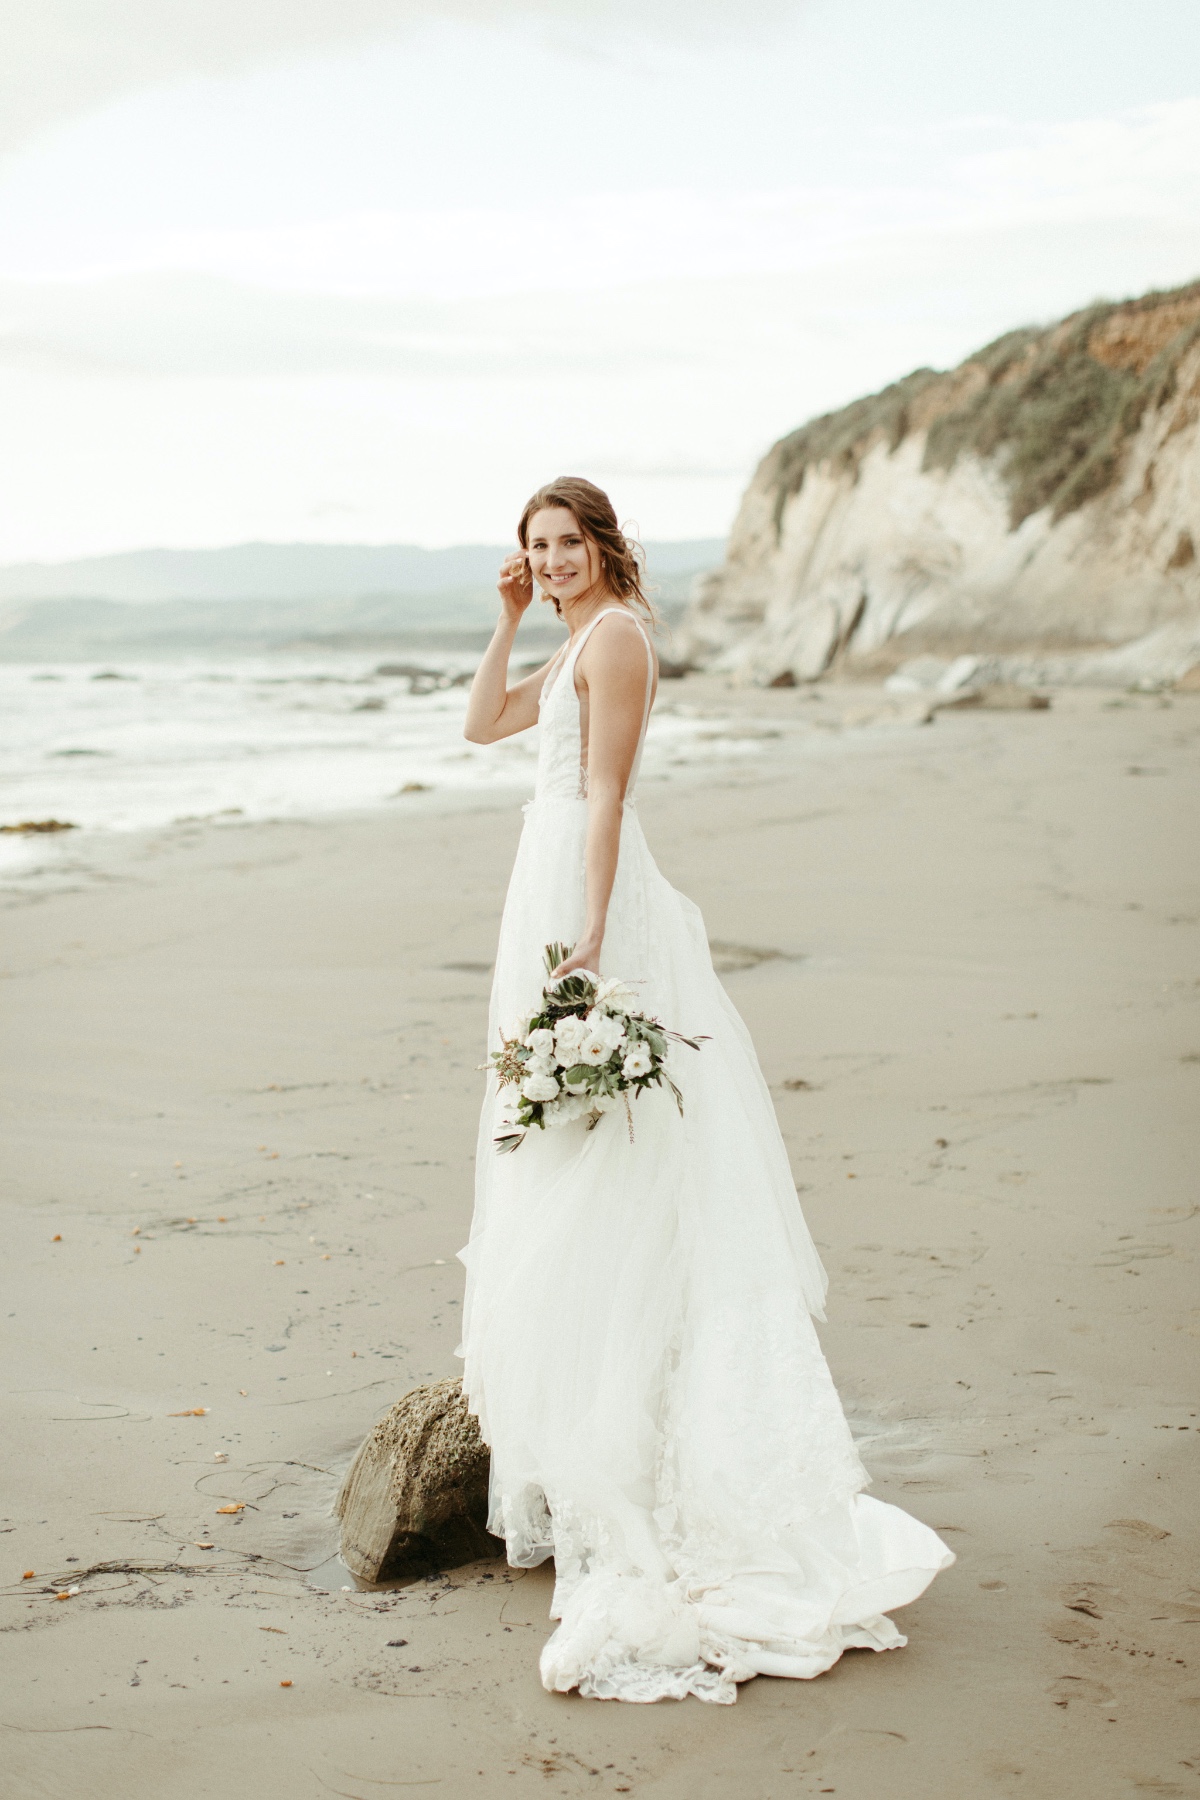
134,746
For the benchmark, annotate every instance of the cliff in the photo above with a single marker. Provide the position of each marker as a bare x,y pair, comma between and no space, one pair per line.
1041,500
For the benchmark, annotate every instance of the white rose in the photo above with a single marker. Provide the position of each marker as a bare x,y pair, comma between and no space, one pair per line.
595,1050
541,1042
568,1039
604,1102
602,1025
638,1062
618,996
539,1065
539,1087
565,1110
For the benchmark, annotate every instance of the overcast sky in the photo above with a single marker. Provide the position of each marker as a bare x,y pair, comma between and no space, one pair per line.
372,269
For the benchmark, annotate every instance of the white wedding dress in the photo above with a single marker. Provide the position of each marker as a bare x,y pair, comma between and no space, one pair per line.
638,1339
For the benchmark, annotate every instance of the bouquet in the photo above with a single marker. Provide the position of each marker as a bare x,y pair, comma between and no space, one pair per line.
583,1054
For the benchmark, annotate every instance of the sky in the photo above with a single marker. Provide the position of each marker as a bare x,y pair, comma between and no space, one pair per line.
372,270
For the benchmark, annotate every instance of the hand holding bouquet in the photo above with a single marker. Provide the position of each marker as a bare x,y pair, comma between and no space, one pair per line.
582,1054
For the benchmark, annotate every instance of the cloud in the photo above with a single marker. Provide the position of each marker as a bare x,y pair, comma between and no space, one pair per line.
755,349
969,176
194,326
66,57
179,409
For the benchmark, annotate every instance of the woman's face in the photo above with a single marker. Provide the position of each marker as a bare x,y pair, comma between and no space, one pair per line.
565,564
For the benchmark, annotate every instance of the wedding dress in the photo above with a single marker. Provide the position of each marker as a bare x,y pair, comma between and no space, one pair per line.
638,1341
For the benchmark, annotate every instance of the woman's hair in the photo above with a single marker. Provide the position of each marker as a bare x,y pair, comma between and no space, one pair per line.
622,559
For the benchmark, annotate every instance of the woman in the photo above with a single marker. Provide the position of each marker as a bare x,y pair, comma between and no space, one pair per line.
638,1336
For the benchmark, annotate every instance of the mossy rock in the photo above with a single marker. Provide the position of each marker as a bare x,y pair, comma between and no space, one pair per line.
1055,408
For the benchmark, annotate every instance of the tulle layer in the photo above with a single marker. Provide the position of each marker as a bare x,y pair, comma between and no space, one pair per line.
638,1341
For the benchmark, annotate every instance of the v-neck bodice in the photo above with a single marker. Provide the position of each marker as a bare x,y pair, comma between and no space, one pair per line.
562,771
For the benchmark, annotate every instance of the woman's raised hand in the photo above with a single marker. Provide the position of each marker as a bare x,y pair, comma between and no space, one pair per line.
515,584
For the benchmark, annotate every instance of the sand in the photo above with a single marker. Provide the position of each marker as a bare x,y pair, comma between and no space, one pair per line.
240,1109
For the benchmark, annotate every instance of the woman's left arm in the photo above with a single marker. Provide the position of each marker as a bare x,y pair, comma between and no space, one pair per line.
613,670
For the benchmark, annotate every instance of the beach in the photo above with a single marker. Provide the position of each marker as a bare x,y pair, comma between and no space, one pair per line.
239,1135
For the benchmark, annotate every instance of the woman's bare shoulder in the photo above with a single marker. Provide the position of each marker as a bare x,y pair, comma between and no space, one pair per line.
618,644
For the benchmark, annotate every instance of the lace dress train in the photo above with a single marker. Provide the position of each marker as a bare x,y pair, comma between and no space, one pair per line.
638,1340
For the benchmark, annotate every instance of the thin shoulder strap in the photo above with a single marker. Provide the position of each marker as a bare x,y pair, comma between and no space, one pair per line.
583,637
649,681
637,761
629,614
591,625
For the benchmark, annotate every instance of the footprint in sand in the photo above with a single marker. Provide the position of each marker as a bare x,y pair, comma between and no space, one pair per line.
1079,1687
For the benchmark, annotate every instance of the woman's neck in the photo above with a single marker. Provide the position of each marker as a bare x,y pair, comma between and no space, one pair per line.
578,614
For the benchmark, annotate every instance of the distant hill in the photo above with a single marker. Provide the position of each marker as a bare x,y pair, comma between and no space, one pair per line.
298,571
255,598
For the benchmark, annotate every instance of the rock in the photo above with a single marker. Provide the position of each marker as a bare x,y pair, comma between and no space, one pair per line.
421,679
1000,697
934,675
904,711
415,1497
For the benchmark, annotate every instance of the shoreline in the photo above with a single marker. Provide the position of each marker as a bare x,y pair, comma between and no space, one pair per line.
240,1127
753,731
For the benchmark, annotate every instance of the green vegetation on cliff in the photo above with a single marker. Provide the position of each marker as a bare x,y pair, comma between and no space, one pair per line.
842,438
1055,407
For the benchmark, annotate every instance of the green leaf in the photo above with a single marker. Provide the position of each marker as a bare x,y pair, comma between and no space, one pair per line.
574,990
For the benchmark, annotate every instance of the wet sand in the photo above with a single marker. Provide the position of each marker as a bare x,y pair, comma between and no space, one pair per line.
239,1124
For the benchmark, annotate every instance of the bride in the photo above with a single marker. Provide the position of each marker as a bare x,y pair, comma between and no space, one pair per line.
638,1341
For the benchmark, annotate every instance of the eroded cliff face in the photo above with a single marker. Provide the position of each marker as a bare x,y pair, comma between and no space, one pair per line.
1042,498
